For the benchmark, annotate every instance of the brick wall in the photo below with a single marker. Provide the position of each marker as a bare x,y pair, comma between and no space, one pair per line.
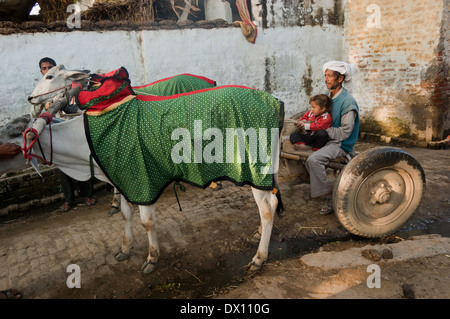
443,87
27,190
400,48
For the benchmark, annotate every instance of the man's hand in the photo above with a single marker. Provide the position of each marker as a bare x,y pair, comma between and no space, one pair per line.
8,150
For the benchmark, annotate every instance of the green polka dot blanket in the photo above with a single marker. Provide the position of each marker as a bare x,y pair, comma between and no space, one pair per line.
144,143
174,85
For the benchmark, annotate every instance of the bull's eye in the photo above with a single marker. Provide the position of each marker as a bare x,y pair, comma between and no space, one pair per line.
49,77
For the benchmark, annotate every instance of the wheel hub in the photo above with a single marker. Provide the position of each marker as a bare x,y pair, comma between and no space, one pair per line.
380,194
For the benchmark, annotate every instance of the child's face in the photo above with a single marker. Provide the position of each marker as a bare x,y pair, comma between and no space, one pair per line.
317,109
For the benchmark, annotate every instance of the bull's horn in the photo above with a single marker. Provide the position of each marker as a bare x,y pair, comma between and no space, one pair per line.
35,165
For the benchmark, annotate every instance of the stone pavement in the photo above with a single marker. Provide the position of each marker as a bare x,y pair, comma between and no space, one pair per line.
35,252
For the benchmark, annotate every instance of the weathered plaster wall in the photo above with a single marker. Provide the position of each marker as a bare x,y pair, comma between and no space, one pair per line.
402,79
285,60
274,13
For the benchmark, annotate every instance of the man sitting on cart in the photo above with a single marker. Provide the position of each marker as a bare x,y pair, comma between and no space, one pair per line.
342,133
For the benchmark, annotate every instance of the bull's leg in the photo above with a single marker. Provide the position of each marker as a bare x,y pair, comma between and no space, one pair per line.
127,239
267,204
148,220
115,204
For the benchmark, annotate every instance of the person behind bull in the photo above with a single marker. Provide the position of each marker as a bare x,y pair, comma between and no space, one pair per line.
46,64
67,183
343,132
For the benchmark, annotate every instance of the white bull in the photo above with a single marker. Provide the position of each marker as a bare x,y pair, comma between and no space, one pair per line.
71,154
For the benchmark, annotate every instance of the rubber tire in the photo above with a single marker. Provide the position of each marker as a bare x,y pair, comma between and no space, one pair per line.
351,196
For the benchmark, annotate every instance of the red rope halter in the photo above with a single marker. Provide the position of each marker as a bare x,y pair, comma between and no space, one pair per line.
27,149
61,88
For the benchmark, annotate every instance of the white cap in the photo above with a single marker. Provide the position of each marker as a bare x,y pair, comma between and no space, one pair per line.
343,68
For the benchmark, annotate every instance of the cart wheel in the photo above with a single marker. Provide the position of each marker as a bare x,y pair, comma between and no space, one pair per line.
378,191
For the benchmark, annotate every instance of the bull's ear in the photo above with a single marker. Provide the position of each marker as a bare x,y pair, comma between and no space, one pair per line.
77,75
60,67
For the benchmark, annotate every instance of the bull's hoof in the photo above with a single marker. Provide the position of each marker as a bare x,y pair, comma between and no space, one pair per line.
121,256
113,210
148,267
252,267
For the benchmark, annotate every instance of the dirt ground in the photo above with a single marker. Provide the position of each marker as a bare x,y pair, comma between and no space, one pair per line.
206,246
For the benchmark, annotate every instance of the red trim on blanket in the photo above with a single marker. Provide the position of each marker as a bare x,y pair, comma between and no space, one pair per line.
212,82
171,97
104,104
118,73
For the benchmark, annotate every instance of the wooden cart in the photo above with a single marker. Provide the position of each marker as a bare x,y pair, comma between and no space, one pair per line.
375,192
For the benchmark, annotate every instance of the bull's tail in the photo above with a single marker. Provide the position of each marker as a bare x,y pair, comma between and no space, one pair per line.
280,207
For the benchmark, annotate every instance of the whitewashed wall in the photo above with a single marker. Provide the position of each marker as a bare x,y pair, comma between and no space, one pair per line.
284,60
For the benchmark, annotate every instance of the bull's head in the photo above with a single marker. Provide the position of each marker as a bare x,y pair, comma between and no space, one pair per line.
54,82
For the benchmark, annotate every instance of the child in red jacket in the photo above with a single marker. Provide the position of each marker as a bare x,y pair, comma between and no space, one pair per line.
314,122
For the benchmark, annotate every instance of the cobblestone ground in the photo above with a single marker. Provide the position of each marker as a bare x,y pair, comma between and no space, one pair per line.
36,255
36,249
